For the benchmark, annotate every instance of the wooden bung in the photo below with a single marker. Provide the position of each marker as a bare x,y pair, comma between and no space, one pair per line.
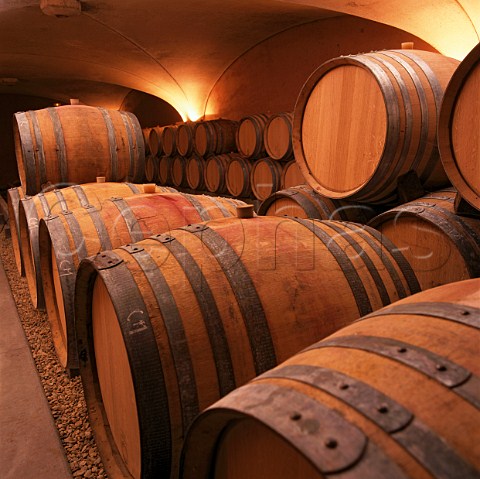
245,211
170,324
149,188
382,397
66,239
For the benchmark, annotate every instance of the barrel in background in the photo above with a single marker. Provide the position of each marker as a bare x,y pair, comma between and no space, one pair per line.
441,246
304,202
250,136
53,146
277,136
394,395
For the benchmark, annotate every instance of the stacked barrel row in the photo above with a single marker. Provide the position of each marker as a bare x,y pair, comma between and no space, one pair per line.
251,158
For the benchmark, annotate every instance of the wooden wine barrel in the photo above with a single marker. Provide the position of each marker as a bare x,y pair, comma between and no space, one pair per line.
34,208
441,246
362,121
238,176
146,135
215,173
75,144
395,395
291,175
185,138
215,137
14,195
277,136
459,129
265,177
202,309
169,140
304,202
165,170
249,137
195,173
179,171
69,237
155,141
151,168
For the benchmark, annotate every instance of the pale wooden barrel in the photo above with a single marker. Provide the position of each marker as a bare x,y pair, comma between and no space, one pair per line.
155,141
202,309
165,170
441,246
179,171
265,177
459,129
292,176
249,137
238,176
69,237
14,195
55,146
362,121
215,137
34,208
394,395
185,136
151,168
277,136
195,173
215,173
169,144
304,202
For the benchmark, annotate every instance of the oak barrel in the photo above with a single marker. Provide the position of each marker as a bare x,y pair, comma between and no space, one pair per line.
394,395
146,135
363,121
151,168
169,144
75,144
155,141
185,138
277,136
249,136
179,171
215,173
202,309
215,137
265,177
195,172
441,246
34,208
304,202
70,236
165,170
238,176
14,195
459,129
291,175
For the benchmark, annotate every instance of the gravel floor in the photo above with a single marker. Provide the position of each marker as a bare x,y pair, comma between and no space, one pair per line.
64,395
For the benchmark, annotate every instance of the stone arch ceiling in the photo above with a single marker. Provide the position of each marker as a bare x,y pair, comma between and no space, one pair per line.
177,49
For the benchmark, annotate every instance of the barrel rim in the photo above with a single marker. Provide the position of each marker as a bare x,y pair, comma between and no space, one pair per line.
444,126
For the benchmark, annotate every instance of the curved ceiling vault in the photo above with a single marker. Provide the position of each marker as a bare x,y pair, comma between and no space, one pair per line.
177,50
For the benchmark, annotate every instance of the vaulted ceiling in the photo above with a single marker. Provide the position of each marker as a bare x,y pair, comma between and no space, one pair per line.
178,49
